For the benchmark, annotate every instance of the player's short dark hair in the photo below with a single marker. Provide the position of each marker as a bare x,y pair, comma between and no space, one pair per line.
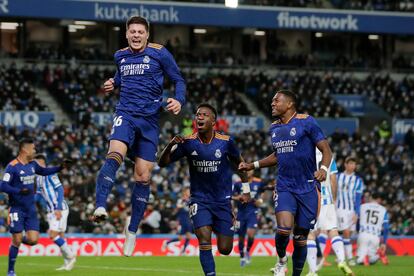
350,159
376,195
138,20
25,141
290,94
209,106
40,156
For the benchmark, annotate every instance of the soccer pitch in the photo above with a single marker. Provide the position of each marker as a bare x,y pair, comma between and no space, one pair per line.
171,266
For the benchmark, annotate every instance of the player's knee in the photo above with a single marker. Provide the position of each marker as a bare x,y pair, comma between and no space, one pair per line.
52,235
143,177
300,236
31,241
16,242
225,249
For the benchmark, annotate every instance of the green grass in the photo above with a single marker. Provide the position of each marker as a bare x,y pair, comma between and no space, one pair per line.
171,266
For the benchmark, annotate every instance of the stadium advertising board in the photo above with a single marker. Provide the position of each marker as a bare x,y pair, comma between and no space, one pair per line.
112,246
400,127
201,14
343,125
237,124
25,119
354,104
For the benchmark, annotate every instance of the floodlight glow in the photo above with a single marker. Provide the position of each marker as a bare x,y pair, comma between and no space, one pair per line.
318,34
231,3
89,23
199,31
9,25
259,33
373,37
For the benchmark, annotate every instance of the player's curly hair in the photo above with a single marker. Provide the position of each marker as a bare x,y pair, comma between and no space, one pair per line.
138,20
209,106
290,94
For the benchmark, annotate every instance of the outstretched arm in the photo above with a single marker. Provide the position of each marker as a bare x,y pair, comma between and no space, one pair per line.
165,158
245,188
46,171
268,161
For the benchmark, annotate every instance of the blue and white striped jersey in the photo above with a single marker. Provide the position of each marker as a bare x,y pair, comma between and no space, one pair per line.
373,218
326,189
350,188
48,187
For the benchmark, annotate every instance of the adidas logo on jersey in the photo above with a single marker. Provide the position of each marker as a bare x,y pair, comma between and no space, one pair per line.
21,172
123,60
273,135
194,153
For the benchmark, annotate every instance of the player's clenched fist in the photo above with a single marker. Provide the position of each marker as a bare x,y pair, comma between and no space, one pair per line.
177,140
243,166
109,85
320,175
173,106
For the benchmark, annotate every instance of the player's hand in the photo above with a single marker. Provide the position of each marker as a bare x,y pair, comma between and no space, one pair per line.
109,85
320,175
245,198
67,163
58,214
258,202
178,139
243,166
173,106
383,247
354,219
25,191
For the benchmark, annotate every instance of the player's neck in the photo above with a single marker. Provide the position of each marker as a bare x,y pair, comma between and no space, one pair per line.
289,115
349,172
22,159
206,137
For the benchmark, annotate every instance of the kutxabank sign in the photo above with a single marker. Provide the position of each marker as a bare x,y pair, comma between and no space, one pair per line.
213,15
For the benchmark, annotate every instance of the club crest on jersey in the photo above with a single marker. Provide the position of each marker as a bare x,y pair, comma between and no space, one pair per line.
218,153
146,59
293,132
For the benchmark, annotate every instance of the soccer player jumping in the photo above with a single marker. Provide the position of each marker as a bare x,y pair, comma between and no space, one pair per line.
297,197
140,76
210,156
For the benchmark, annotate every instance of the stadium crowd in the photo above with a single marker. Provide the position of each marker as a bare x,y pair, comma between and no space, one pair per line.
79,90
396,97
17,88
384,166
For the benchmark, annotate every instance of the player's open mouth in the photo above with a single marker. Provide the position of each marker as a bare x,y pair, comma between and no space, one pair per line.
200,124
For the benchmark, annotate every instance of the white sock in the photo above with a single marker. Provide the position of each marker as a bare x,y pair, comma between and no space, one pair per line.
312,255
338,247
348,249
66,251
322,238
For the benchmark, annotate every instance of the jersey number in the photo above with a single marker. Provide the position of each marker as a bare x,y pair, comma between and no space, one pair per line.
372,217
117,121
14,217
193,209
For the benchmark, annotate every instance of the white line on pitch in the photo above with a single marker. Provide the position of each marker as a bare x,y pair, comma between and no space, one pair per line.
143,269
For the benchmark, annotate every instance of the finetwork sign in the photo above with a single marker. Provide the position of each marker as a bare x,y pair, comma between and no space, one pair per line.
116,12
348,23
